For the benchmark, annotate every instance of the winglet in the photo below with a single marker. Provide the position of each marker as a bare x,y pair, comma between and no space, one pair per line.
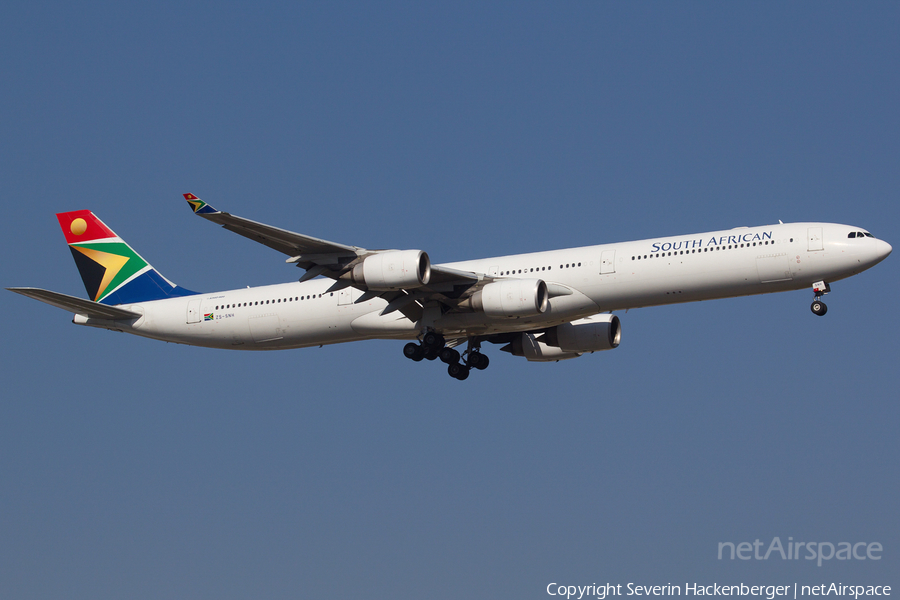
199,206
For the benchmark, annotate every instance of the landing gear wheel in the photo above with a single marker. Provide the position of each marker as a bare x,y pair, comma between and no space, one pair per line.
413,352
434,340
479,361
458,371
448,355
818,307
429,353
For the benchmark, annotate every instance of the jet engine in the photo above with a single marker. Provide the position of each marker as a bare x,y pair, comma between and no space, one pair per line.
569,340
511,298
591,334
393,270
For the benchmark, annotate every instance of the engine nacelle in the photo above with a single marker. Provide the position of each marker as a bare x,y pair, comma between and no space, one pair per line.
511,298
393,270
591,334
534,350
569,340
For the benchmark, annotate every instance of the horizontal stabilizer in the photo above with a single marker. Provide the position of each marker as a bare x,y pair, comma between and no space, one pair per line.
92,310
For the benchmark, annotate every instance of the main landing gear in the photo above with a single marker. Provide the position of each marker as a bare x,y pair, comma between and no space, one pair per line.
458,366
818,307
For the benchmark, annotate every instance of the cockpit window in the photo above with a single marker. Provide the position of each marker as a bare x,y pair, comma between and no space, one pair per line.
867,235
859,234
851,235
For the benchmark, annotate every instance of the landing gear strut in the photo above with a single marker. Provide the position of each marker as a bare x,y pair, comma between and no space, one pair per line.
818,307
458,366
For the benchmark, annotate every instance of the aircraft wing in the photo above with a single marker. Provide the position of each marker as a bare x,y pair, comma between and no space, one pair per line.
444,277
321,257
80,306
304,250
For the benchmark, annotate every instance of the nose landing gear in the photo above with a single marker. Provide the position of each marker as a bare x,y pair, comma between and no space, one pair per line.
818,307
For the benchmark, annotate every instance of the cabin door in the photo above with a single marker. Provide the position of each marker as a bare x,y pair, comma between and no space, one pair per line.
814,235
193,311
608,262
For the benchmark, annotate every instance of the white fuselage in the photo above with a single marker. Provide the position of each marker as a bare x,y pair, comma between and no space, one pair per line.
609,277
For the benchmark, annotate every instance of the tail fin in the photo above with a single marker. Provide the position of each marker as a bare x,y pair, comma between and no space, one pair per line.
112,272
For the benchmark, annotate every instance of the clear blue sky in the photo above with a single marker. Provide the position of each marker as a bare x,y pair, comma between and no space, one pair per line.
135,469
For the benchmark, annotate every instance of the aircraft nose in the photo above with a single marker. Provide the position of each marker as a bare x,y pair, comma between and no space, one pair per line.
884,250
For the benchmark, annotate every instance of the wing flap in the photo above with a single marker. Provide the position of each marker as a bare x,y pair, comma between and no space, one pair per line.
80,306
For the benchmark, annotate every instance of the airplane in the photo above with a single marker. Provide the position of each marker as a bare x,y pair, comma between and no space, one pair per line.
543,306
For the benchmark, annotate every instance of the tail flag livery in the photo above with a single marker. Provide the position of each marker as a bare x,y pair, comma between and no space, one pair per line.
198,206
112,272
